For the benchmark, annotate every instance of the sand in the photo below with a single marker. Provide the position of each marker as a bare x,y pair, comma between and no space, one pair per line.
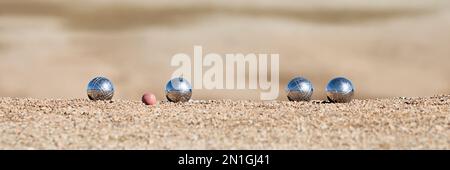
394,123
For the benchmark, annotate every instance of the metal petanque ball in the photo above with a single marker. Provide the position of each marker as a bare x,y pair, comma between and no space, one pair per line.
178,90
340,90
299,89
100,88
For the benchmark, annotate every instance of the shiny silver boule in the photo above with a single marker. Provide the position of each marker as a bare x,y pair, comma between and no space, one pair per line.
178,90
100,88
340,90
299,89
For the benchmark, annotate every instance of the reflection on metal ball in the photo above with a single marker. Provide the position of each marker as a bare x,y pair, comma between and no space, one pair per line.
299,89
178,90
340,90
100,88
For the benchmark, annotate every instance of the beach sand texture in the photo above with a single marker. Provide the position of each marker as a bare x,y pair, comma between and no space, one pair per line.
397,123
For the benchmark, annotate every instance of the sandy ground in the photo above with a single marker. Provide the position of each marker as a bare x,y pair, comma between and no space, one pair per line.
396,123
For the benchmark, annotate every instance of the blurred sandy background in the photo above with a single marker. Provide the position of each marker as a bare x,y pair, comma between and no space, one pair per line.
51,49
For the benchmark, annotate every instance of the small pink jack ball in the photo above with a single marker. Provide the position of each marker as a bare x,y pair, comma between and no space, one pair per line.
149,99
